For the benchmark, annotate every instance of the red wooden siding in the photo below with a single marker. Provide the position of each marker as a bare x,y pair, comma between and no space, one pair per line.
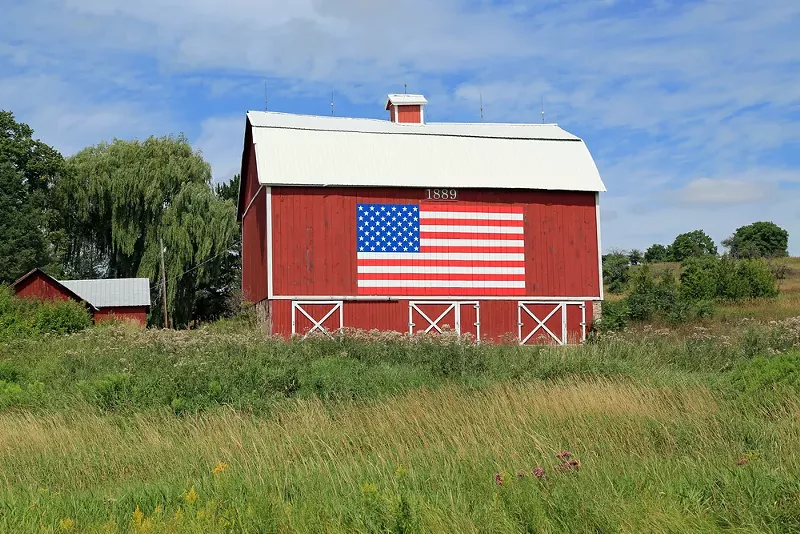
314,238
137,314
409,114
254,233
254,250
38,286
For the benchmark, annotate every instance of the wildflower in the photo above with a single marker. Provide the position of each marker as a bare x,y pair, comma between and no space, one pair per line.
564,455
137,517
66,525
521,474
538,472
219,468
400,471
498,479
568,465
742,461
191,497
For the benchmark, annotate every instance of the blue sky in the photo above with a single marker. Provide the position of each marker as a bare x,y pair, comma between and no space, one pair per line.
691,108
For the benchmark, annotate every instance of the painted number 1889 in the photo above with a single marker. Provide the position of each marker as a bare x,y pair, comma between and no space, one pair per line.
441,194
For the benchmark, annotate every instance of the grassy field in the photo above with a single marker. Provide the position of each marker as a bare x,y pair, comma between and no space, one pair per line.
692,429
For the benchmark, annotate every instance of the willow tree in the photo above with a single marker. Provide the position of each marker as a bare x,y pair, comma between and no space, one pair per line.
123,199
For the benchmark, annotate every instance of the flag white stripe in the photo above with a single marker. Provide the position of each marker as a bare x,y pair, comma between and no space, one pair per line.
423,269
472,243
467,215
471,229
442,256
515,284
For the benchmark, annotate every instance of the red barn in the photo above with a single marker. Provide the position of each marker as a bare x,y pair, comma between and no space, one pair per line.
490,229
121,298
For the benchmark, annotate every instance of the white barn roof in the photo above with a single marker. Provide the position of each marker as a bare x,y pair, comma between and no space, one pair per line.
304,150
112,292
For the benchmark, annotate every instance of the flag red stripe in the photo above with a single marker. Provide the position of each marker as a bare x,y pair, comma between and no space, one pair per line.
469,208
509,250
441,276
471,222
468,235
448,291
441,263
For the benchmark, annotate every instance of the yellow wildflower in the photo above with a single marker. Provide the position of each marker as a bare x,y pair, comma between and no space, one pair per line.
66,525
192,496
137,517
219,468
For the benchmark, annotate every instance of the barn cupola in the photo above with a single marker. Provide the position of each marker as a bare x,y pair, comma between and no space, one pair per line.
406,109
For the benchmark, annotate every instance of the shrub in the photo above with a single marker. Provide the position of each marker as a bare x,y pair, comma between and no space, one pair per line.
759,278
61,317
109,392
709,278
616,271
766,374
27,317
614,318
700,278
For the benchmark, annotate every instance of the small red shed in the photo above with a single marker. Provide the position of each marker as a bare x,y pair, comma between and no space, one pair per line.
120,298
490,229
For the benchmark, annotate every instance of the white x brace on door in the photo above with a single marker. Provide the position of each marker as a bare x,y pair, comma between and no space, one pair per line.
331,307
433,315
549,318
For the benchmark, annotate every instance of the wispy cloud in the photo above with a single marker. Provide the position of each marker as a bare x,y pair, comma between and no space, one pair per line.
684,104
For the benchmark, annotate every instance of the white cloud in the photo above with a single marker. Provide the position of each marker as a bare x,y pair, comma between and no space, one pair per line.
663,92
705,191
221,140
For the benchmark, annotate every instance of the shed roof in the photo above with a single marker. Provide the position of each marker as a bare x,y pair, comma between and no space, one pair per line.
307,150
118,292
405,99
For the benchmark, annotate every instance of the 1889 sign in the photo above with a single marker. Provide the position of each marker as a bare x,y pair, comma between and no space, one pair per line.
441,194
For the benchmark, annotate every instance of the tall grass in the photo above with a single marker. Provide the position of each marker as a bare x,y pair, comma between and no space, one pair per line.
651,459
223,430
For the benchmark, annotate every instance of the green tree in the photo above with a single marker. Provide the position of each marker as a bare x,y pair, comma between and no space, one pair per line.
758,240
656,254
692,244
616,271
220,295
635,257
28,170
22,241
123,198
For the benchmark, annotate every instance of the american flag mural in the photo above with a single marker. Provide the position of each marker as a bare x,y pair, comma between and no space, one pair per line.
440,249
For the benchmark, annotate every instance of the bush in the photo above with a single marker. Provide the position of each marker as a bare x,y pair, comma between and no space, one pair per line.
616,271
768,374
700,278
614,318
26,317
710,278
759,278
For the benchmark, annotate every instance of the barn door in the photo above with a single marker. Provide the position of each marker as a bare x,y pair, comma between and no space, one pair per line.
549,322
324,317
436,317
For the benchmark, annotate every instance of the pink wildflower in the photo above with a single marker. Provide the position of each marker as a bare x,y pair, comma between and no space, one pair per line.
498,479
538,472
564,455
